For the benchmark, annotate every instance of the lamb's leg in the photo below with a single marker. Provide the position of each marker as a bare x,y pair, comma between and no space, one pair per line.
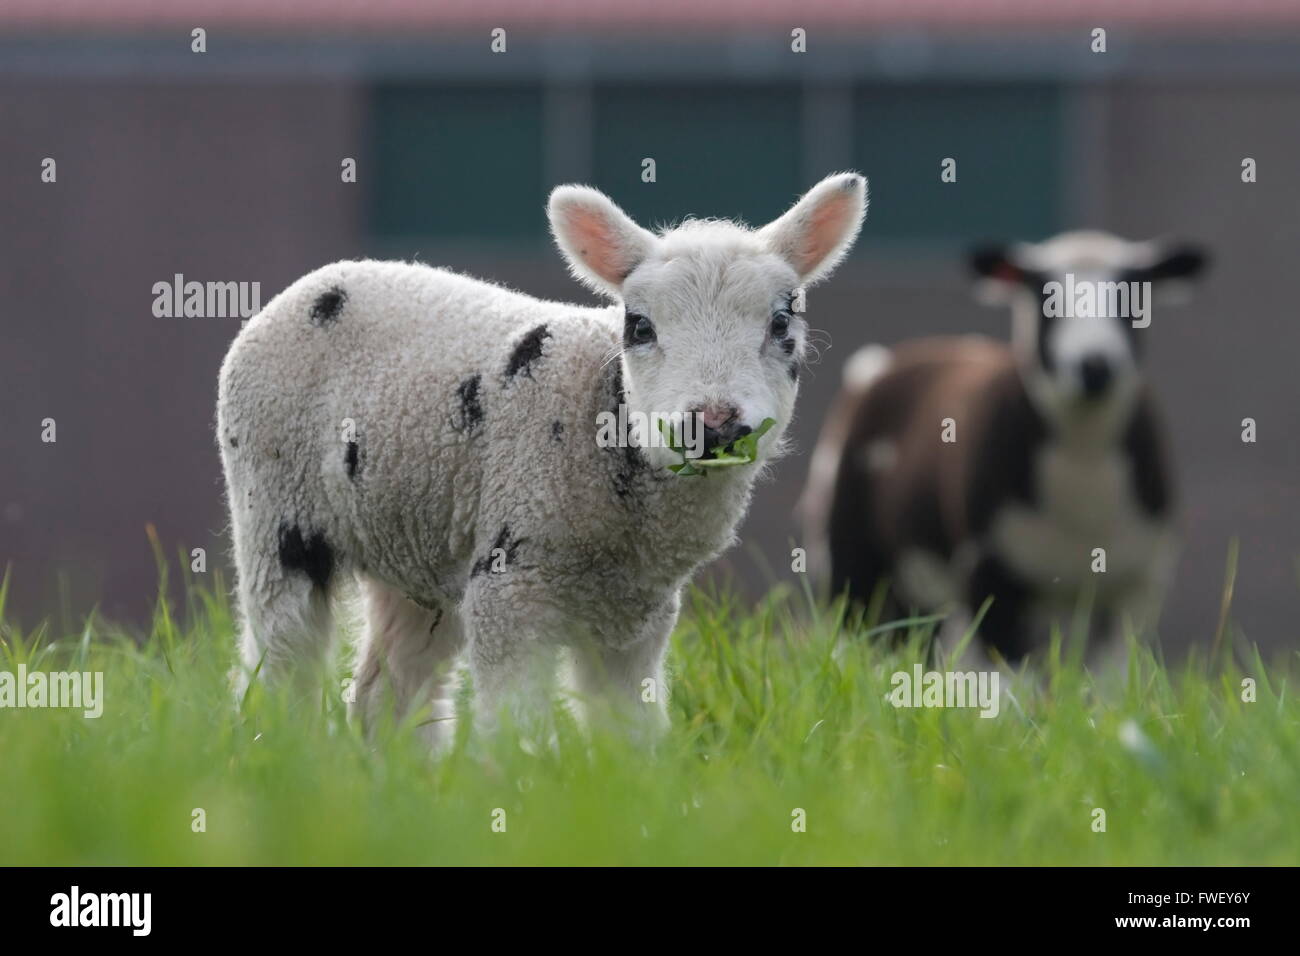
951,633
1106,656
286,622
1004,627
1135,614
512,655
630,679
404,659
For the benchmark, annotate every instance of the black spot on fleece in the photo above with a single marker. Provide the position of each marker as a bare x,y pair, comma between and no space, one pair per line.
310,554
328,306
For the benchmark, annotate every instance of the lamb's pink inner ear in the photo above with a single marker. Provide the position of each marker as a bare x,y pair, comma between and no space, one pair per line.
595,241
824,229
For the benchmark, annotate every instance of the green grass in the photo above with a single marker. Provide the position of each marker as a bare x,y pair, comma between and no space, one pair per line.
773,708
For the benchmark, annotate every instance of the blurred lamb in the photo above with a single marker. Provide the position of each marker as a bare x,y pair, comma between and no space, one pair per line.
434,436
1054,450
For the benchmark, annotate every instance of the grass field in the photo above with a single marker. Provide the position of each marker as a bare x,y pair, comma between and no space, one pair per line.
774,710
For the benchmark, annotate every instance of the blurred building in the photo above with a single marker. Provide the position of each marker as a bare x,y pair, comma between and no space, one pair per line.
225,166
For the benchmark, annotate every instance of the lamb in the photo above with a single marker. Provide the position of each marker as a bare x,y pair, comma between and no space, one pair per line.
961,469
432,436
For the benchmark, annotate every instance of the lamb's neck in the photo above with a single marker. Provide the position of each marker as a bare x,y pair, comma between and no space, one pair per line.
697,516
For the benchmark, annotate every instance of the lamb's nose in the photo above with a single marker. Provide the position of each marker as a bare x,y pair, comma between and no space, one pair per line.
717,417
1095,373
721,425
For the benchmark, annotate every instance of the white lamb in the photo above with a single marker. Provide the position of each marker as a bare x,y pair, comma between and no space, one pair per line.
434,436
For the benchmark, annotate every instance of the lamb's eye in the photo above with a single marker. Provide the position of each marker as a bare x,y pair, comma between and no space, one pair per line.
780,327
637,330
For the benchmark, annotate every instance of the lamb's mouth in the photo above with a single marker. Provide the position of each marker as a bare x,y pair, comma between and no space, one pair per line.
741,449
728,449
713,448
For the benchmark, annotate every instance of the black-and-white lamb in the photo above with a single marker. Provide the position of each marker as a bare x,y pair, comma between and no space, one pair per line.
958,469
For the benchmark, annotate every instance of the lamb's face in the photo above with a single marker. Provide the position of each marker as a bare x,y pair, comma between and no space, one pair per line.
710,325
1082,303
710,330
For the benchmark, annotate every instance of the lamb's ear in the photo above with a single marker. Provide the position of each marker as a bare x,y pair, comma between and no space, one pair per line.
998,272
1172,271
601,243
1182,261
995,261
819,229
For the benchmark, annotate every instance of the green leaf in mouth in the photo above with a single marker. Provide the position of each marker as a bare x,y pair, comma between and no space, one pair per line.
741,451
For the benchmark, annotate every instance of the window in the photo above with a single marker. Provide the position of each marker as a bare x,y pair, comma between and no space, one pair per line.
457,162
719,151
1006,141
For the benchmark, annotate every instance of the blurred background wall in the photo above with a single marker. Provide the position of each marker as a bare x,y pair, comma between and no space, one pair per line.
225,166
